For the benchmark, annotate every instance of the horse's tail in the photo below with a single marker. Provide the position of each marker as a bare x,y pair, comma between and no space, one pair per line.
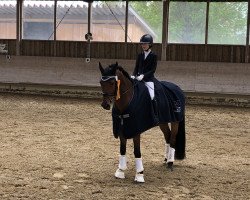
180,145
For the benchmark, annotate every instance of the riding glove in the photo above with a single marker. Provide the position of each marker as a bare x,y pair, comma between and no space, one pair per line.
133,77
139,78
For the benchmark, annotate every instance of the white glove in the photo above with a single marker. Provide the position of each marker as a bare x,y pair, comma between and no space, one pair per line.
139,78
133,77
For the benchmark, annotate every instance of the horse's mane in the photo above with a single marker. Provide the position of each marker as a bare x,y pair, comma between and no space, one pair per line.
125,73
114,67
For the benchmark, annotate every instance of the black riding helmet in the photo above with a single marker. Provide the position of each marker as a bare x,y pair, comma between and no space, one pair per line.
147,39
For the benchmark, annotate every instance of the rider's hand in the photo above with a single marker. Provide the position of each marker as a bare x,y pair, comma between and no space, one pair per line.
133,77
139,78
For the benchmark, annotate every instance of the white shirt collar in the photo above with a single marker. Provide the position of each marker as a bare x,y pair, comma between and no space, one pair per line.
146,53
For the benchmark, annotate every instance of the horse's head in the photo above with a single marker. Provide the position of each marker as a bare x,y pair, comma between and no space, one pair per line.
109,84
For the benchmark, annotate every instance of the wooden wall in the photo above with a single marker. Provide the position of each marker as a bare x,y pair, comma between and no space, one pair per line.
206,53
121,50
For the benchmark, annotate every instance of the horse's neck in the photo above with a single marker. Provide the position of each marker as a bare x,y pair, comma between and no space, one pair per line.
126,94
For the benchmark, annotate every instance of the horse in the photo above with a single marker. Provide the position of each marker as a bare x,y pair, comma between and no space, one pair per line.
132,115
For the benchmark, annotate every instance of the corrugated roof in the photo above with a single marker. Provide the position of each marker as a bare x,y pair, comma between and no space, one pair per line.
74,9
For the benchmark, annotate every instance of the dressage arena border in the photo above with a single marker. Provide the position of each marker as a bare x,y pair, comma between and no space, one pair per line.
94,92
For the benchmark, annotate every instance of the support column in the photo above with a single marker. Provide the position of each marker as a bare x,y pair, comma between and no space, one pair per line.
206,31
19,14
55,15
247,38
165,30
126,31
89,17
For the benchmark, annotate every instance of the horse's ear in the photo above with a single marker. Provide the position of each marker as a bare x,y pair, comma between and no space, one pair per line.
116,66
101,68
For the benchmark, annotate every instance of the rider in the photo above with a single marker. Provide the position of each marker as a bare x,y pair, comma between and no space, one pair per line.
145,67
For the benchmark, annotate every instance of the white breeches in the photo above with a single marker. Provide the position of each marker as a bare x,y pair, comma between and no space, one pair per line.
151,89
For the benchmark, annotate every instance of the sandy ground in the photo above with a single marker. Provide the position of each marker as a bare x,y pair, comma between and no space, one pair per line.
58,148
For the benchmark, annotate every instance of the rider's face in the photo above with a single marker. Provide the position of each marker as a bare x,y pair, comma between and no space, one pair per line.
145,47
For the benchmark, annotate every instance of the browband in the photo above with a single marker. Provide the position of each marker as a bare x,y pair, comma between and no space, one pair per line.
106,78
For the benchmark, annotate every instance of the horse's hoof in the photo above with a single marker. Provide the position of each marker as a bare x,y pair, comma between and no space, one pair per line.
170,166
119,174
139,178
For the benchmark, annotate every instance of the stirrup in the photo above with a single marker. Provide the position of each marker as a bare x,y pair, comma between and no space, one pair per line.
119,174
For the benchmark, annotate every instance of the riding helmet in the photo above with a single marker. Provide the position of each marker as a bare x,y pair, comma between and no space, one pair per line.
146,39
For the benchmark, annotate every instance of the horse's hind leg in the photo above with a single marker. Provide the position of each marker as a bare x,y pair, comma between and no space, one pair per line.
167,133
170,138
122,159
171,152
139,177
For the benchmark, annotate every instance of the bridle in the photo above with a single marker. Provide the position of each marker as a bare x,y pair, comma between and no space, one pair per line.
117,93
111,96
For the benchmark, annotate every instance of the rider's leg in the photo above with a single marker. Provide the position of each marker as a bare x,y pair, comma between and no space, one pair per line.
150,86
151,89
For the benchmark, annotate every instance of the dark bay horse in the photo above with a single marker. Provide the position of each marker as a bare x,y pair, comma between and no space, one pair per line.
132,115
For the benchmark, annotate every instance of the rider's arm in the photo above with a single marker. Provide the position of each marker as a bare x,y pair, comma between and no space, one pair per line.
136,66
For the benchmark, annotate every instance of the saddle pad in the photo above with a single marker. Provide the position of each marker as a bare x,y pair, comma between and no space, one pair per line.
138,118
171,101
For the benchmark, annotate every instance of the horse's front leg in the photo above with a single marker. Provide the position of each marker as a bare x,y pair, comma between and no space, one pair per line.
122,159
139,176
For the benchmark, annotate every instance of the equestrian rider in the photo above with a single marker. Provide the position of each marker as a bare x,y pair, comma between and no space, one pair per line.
145,67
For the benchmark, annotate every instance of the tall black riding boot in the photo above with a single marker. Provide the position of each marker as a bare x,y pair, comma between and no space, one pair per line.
155,111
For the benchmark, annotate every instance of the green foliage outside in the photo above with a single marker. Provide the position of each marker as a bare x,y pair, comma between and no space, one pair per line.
187,21
152,14
149,11
227,21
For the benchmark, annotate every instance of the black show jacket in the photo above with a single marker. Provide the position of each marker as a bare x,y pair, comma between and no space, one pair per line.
146,67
